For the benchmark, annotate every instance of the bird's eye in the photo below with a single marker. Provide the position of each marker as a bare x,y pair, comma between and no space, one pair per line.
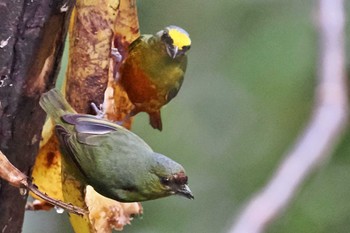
181,180
167,39
165,180
186,48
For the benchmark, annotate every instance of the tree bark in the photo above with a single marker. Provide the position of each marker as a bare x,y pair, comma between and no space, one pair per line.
32,35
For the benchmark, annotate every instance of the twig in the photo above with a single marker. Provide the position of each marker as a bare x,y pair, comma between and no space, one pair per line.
319,137
10,173
17,179
69,207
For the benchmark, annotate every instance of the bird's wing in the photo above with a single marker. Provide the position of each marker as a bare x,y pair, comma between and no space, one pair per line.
85,123
94,131
141,40
173,91
91,125
68,147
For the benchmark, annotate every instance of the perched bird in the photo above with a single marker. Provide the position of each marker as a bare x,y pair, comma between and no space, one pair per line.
114,161
153,70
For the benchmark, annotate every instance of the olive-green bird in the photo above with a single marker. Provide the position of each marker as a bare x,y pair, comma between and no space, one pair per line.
153,70
112,159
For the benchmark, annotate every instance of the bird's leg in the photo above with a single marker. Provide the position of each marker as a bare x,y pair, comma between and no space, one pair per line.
100,113
116,55
119,51
117,58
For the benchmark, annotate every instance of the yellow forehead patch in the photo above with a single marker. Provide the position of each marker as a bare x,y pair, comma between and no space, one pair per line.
180,39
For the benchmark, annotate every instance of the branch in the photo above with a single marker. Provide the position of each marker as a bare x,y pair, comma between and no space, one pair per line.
319,137
32,35
17,179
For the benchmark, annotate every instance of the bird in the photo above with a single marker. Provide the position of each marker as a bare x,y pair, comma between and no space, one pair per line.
153,69
117,163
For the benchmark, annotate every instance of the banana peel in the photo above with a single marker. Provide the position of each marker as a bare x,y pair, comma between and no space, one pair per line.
106,214
118,21
47,168
91,35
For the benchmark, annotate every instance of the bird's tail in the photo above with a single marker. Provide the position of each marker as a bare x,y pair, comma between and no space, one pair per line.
55,105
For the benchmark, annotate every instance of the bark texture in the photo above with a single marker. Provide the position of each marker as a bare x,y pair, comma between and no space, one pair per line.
32,37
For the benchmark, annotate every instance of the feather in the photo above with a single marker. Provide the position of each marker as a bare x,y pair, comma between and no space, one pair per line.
65,144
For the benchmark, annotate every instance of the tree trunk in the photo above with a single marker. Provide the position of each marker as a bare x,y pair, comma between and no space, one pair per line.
32,35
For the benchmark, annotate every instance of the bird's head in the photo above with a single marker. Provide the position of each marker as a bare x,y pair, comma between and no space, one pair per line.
176,40
177,184
171,178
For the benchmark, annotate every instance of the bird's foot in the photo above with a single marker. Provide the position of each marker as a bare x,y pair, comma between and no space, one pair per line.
116,55
100,113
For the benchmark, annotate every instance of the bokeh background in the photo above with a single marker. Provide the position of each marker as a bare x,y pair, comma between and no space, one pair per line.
247,94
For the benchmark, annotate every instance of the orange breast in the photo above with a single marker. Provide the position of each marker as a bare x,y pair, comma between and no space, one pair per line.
141,90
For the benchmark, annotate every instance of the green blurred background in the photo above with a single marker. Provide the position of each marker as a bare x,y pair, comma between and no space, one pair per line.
246,96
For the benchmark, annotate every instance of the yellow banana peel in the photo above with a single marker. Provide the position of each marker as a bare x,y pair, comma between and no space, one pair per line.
47,168
106,214
89,56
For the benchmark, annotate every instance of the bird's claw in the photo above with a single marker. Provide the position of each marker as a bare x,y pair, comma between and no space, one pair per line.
116,55
100,113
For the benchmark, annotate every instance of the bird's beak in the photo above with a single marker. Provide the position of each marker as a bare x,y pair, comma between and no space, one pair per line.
185,191
173,51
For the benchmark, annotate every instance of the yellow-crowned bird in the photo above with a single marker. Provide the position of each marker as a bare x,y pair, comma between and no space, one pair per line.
153,70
